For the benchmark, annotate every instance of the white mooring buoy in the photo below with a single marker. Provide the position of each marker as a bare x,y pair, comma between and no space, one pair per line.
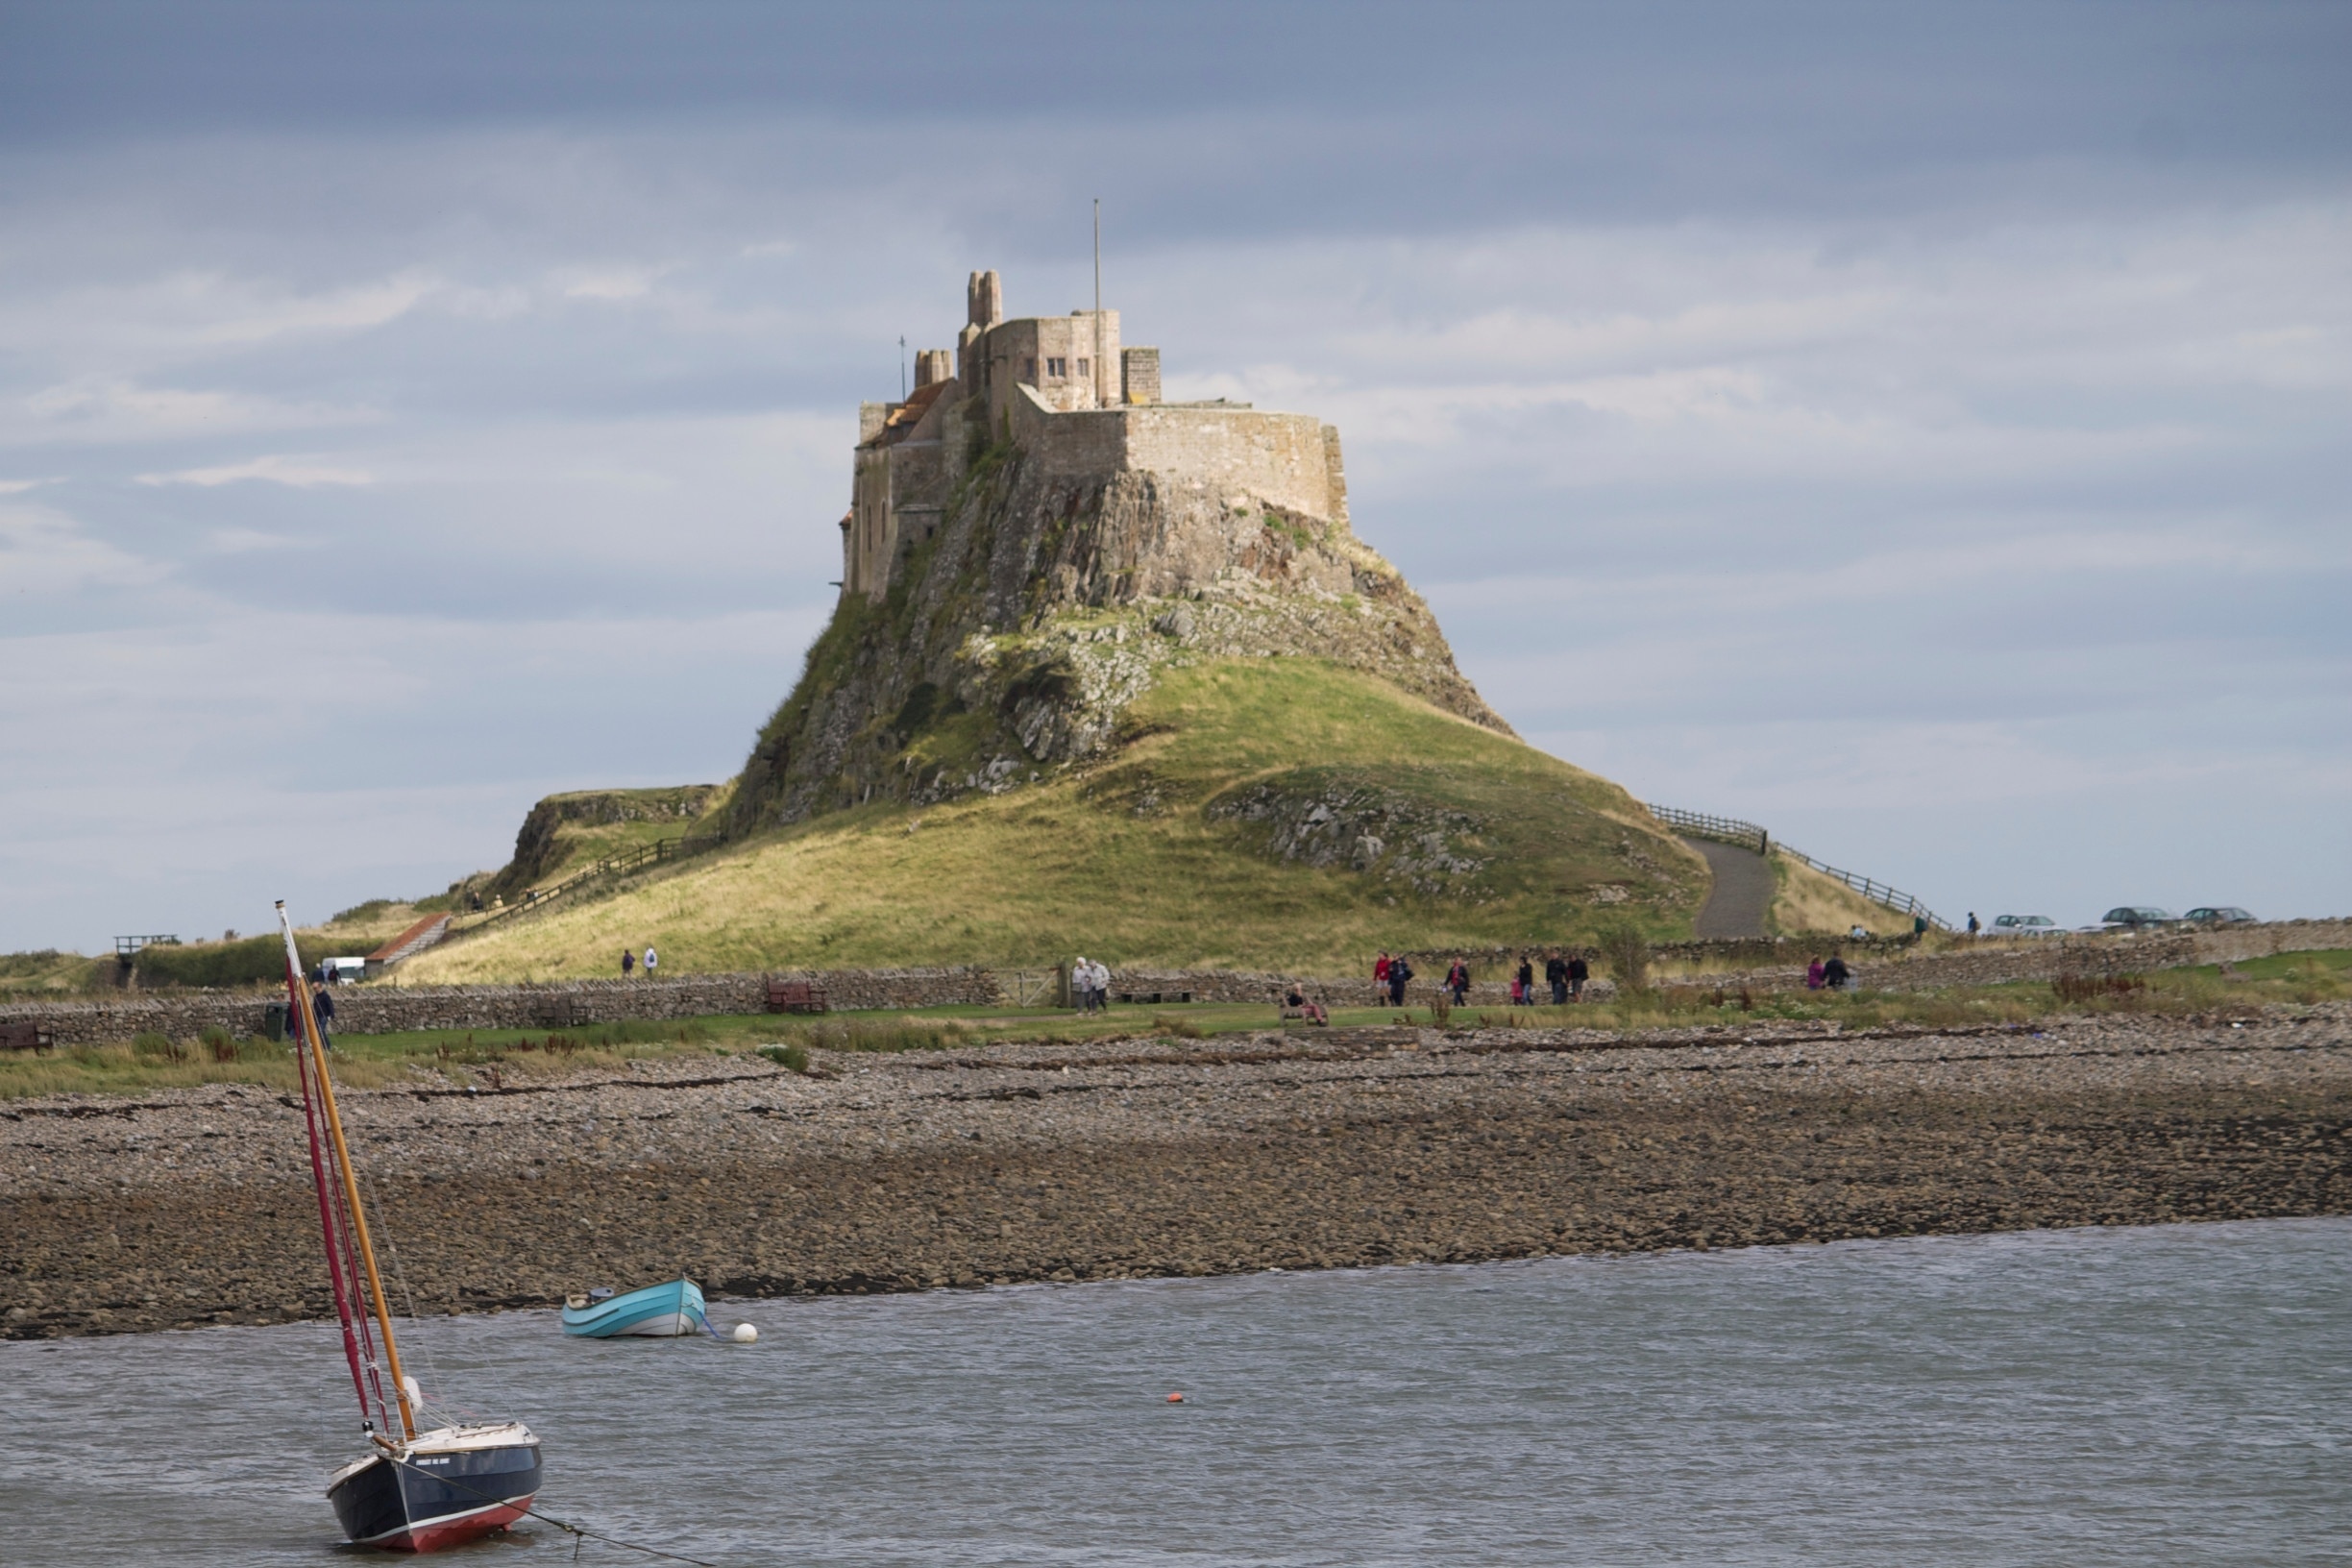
745,1333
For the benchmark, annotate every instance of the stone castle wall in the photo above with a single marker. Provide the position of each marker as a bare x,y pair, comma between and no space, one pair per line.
1284,460
1020,381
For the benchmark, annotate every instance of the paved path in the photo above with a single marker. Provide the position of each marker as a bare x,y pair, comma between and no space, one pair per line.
1742,895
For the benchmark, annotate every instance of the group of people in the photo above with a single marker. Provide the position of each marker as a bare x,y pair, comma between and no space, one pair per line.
1089,986
628,962
1833,974
1564,973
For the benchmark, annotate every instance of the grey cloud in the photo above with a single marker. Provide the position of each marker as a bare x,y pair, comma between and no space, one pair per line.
1803,413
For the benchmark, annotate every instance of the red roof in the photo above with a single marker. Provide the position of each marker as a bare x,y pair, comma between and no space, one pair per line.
391,949
905,416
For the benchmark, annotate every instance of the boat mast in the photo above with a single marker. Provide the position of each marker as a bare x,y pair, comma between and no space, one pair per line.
315,1052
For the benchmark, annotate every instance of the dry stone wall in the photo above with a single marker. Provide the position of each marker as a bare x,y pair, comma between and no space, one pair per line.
389,1009
1899,967
385,1009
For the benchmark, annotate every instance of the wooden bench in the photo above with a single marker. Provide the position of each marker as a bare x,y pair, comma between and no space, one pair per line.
25,1037
1153,998
560,1012
795,996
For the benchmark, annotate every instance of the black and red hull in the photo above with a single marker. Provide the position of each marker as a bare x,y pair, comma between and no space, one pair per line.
441,1492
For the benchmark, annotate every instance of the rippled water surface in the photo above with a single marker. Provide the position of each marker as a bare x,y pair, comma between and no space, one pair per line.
2172,1395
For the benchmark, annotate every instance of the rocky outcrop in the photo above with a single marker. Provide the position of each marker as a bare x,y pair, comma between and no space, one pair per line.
541,847
1020,627
1326,819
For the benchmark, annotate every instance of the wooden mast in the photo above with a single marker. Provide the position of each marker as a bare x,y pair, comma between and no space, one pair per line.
315,1048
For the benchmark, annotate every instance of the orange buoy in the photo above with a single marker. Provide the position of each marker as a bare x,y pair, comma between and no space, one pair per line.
1175,1399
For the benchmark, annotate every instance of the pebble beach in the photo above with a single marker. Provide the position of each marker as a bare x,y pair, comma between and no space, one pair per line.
1153,1156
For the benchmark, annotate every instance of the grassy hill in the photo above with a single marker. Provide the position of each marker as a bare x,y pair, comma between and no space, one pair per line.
1807,901
1251,812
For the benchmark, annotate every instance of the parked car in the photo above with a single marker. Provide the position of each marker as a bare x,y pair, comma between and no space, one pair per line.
2137,918
2024,925
2218,914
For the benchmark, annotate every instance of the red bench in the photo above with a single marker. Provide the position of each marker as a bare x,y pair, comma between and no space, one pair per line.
795,996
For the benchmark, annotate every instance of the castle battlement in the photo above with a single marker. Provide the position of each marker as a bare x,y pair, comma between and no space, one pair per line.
1081,409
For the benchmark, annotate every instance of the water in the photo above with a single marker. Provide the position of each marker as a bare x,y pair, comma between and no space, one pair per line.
2166,1395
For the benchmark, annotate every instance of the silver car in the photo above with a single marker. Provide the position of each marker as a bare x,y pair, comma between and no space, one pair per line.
2024,925
2137,918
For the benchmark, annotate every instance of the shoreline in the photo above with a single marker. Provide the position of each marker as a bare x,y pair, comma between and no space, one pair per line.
1009,1164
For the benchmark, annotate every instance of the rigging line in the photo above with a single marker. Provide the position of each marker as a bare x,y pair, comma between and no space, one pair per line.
432,1364
328,1230
581,1531
312,1042
310,1039
367,1336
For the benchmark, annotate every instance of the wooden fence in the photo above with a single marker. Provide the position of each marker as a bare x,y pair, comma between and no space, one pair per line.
1749,836
610,866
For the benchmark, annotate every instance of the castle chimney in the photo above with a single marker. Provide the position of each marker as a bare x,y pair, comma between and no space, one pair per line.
1139,375
983,299
967,364
932,365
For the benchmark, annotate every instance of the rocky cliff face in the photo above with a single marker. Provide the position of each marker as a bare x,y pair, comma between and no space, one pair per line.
549,833
1020,628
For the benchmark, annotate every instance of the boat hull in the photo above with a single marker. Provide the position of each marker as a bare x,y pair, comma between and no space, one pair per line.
664,1310
449,1487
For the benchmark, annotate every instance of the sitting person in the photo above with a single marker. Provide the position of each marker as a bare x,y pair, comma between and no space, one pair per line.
1297,1006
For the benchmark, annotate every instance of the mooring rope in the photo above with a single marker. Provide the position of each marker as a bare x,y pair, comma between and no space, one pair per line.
582,1532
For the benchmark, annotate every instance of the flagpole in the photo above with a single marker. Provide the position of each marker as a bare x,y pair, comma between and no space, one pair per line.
1098,322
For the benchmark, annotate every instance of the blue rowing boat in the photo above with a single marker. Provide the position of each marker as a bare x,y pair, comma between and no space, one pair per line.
664,1310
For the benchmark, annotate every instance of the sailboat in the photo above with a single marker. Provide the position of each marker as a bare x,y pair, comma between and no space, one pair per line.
412,1492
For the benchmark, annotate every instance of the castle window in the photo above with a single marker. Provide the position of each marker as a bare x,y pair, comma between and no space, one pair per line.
1084,369
1028,370
1056,369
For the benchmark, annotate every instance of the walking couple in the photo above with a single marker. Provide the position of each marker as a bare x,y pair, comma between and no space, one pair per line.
1089,986
1390,974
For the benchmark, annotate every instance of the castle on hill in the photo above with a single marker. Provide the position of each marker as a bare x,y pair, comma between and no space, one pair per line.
1081,407
1035,538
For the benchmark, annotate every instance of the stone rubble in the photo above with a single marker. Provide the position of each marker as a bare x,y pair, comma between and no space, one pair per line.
1126,1157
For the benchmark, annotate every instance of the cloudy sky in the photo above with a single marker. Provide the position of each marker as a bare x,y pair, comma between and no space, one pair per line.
1927,430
